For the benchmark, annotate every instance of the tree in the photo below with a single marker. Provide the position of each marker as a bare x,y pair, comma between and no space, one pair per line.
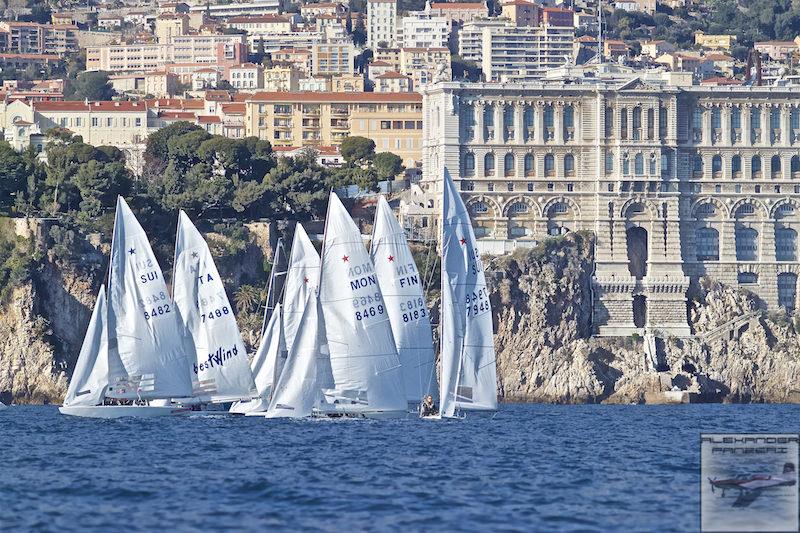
357,150
99,183
360,32
388,165
92,85
157,141
12,174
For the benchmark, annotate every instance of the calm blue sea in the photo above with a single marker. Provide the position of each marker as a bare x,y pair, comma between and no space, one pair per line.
533,468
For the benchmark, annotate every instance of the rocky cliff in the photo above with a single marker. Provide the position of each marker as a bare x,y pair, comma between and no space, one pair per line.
542,305
542,316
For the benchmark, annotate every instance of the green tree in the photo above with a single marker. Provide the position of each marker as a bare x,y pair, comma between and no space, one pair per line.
357,150
388,165
156,148
13,170
99,183
92,85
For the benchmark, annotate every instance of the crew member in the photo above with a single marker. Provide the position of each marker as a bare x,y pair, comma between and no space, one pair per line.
427,407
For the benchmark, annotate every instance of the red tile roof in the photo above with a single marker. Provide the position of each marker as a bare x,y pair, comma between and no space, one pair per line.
118,106
329,97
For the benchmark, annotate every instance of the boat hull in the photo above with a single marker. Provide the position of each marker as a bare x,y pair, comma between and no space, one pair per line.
122,411
361,413
254,407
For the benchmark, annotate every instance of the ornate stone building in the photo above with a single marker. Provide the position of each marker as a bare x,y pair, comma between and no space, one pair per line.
676,181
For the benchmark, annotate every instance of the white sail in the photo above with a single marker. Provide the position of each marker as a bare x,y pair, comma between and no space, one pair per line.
468,376
145,331
90,377
220,369
401,286
298,391
302,279
363,356
270,357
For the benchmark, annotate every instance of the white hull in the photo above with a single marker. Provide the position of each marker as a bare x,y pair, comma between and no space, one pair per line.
254,407
122,411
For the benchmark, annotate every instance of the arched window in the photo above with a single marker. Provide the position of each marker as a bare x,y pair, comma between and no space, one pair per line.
569,165
746,244
707,244
559,208
705,210
530,165
795,167
755,167
785,244
775,167
697,166
716,166
469,164
508,164
651,123
488,164
638,164
480,207
518,208
610,122
527,118
745,210
736,166
549,165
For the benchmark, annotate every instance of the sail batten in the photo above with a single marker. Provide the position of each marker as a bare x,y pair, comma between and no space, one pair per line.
363,355
145,332
468,373
401,286
219,367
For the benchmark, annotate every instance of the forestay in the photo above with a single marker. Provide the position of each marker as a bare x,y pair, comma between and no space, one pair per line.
298,391
363,356
220,369
90,377
302,279
277,279
143,324
401,286
468,375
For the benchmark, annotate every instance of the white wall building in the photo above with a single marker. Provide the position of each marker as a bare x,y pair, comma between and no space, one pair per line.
381,23
423,30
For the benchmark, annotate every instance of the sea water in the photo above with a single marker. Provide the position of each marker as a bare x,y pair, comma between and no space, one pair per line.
532,468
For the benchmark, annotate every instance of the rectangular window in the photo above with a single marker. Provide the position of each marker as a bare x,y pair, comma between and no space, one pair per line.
95,122
138,122
386,124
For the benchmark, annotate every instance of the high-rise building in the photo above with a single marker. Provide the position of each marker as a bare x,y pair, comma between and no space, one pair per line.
381,23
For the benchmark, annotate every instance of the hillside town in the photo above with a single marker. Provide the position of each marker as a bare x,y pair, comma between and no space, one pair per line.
670,129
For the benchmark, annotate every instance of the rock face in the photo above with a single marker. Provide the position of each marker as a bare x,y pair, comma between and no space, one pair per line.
542,318
542,306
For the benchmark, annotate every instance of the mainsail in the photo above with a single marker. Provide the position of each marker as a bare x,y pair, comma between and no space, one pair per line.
219,367
144,328
298,389
90,378
468,376
302,279
401,286
270,357
363,356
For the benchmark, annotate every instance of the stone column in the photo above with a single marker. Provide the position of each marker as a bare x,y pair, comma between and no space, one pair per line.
519,127
727,241
538,121
786,131
558,123
708,138
499,127
765,129
746,125
479,110
727,133
766,249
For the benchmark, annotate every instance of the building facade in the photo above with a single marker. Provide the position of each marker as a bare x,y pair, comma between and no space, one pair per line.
675,182
392,120
381,24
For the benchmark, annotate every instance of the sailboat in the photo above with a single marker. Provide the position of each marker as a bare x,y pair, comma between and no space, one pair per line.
468,381
401,286
277,279
298,279
134,348
219,366
298,392
363,356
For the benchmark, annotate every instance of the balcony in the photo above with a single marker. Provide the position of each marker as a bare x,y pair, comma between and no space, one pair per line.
340,111
310,111
311,123
776,136
569,134
340,124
